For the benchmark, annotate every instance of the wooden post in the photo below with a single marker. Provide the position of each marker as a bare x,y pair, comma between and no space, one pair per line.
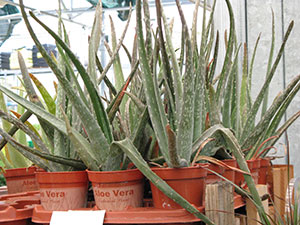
280,183
219,204
240,219
252,214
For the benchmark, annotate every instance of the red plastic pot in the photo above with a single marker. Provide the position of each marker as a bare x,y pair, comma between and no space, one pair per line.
21,180
224,171
239,177
63,190
117,190
189,182
263,172
255,170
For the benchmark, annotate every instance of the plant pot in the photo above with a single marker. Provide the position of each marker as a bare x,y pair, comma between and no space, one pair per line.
239,177
225,172
255,170
117,190
21,180
189,182
263,172
63,190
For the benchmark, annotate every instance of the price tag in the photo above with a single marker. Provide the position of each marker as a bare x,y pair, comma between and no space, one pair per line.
75,217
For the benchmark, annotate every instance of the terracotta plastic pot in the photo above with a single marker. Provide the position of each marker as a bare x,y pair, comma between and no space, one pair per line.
117,190
189,182
211,177
63,190
225,172
255,170
239,177
21,180
263,172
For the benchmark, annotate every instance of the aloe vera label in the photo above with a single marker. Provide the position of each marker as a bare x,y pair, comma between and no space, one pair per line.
63,198
22,185
118,198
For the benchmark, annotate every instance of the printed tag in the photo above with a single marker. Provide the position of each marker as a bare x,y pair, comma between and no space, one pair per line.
75,217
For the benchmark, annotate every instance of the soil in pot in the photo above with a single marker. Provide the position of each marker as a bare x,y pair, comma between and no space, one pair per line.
189,182
21,180
63,190
117,190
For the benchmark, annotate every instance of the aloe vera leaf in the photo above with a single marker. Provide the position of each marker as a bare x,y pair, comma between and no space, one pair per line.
13,129
215,59
155,106
20,135
284,127
71,71
26,129
214,108
266,96
23,150
116,51
117,101
232,144
139,104
5,161
51,106
138,132
106,80
199,83
130,150
229,97
194,24
94,42
13,157
38,160
253,112
118,72
252,61
244,105
177,79
55,122
33,96
28,124
210,31
166,69
277,118
147,21
227,60
175,160
283,100
278,133
80,147
127,53
186,121
101,115
208,48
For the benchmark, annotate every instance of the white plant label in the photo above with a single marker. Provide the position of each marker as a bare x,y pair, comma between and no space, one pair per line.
75,217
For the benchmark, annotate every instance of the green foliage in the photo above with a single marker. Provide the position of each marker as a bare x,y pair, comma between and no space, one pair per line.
83,127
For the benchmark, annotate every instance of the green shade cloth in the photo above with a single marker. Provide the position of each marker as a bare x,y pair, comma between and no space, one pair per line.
6,26
122,14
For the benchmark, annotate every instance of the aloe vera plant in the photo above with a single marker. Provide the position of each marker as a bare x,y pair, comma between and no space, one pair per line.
90,130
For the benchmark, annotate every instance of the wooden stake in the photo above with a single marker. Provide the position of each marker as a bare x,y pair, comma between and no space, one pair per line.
219,205
252,214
